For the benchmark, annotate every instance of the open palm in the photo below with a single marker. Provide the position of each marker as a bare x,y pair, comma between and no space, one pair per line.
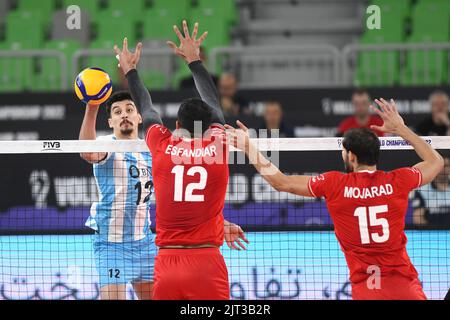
189,48
392,121
128,60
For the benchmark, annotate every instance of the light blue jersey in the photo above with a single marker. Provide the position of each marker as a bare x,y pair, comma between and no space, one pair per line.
125,184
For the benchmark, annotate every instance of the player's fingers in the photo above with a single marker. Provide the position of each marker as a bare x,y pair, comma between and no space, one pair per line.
233,246
387,105
241,126
230,133
377,111
125,44
239,138
229,129
381,105
117,50
179,52
393,105
241,244
242,235
194,32
227,126
172,45
377,128
138,50
186,30
232,140
178,33
202,37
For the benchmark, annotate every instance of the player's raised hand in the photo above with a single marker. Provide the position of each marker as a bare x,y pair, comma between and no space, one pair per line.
392,121
238,138
189,48
128,60
233,235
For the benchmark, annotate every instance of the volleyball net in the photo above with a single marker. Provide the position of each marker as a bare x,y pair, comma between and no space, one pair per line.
47,191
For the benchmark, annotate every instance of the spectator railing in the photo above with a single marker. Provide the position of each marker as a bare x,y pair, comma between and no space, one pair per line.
145,54
349,56
340,65
64,71
320,57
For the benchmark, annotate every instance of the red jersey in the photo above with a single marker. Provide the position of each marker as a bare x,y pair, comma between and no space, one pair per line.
368,209
351,123
190,178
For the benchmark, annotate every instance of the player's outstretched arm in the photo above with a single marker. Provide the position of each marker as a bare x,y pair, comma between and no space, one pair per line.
189,50
295,184
87,132
128,63
432,162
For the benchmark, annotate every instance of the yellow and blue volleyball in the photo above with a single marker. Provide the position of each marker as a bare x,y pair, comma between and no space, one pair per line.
93,86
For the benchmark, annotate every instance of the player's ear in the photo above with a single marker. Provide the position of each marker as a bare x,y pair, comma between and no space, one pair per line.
140,118
352,157
110,122
177,125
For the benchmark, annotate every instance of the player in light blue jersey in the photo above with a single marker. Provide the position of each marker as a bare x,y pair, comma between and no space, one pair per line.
124,247
123,243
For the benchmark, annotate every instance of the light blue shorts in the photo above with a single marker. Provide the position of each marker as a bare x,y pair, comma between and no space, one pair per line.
122,263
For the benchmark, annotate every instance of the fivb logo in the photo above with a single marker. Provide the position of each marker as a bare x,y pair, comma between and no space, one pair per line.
51,146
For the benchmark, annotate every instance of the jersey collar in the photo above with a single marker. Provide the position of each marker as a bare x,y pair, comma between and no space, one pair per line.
366,171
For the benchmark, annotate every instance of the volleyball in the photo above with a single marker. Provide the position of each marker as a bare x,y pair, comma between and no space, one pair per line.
93,86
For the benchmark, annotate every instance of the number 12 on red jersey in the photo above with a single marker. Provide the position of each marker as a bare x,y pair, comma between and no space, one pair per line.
191,187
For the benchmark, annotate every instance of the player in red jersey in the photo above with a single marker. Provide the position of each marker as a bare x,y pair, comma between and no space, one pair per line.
368,206
190,174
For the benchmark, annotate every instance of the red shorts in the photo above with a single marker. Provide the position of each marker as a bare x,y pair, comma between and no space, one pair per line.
190,274
391,288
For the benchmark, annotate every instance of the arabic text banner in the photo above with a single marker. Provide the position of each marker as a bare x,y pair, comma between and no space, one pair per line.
277,265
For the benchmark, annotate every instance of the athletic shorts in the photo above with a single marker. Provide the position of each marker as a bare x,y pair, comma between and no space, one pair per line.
191,274
393,287
121,263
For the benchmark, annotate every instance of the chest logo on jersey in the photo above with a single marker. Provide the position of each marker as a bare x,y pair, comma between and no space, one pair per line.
368,193
136,172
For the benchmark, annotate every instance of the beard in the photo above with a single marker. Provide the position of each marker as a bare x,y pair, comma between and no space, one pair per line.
126,131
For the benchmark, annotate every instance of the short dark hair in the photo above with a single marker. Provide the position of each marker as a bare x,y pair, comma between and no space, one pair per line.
274,102
364,144
115,97
192,110
360,91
